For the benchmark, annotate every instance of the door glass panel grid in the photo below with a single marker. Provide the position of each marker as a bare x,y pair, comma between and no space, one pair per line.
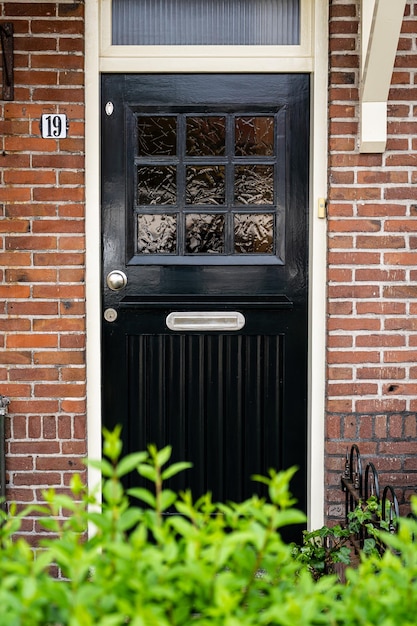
214,190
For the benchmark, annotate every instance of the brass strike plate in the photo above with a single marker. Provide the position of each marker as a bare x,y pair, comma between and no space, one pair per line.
321,209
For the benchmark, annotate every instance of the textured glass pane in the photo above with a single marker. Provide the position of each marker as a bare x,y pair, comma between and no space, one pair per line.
254,234
254,184
205,184
157,234
157,184
206,136
204,234
157,136
254,135
205,22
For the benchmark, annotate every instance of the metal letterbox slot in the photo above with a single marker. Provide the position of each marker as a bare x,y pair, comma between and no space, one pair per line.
205,320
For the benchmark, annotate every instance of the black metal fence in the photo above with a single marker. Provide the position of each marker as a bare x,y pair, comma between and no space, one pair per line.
4,402
359,486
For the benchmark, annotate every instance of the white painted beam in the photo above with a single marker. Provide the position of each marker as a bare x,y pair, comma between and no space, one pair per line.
367,14
373,127
381,22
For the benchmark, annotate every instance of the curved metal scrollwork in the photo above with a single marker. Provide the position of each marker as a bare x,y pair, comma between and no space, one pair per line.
356,468
359,487
371,484
390,507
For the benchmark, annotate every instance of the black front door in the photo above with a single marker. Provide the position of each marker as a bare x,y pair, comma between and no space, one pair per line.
204,243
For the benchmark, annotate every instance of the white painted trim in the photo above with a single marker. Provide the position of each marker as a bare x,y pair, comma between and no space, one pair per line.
317,64
367,14
318,268
206,64
381,22
38,1
373,127
92,220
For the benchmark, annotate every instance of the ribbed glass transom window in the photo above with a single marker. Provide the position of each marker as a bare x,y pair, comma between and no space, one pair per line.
206,22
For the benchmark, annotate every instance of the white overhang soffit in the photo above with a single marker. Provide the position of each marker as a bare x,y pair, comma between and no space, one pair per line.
381,22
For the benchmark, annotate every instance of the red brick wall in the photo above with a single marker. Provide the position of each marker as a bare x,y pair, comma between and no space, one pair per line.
42,245
372,256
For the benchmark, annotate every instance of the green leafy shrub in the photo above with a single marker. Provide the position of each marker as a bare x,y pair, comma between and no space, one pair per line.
324,548
208,564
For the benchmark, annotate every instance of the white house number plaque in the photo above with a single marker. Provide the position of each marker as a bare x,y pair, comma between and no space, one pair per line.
54,126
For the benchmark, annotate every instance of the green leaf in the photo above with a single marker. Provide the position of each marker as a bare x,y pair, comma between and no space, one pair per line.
162,456
112,445
130,462
147,471
168,498
144,495
51,524
342,555
76,484
103,466
113,491
369,545
261,479
100,520
174,469
130,518
182,526
28,588
65,502
288,518
42,561
112,620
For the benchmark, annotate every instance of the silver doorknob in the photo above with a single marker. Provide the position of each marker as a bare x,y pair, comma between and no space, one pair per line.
116,280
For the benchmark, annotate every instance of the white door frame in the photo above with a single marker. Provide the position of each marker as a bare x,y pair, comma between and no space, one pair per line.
316,63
